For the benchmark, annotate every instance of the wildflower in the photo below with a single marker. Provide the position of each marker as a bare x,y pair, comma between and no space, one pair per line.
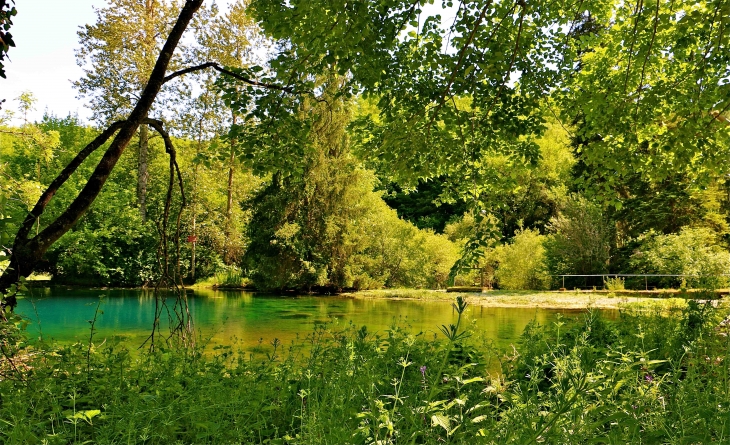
423,371
649,378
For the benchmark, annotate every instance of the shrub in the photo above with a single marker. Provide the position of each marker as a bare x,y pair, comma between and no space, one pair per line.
345,236
693,251
616,283
522,262
580,239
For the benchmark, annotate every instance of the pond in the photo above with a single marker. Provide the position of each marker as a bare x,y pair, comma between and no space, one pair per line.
248,319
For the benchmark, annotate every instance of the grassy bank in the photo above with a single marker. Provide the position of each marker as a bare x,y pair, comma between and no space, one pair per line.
647,377
539,299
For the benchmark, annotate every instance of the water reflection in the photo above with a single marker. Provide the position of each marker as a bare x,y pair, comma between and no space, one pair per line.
225,317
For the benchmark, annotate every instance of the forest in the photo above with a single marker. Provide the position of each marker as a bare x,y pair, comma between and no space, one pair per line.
330,146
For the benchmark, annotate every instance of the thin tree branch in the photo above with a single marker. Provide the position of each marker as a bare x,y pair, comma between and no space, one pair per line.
648,54
460,61
637,12
215,66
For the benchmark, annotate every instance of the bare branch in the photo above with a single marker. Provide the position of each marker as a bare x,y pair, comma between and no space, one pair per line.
215,66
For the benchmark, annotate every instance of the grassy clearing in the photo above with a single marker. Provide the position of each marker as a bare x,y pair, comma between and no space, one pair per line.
539,299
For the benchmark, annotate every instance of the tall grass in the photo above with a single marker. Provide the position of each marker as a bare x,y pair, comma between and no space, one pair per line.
644,378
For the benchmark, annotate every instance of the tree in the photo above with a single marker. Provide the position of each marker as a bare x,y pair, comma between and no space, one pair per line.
650,95
324,227
649,79
118,54
228,41
28,251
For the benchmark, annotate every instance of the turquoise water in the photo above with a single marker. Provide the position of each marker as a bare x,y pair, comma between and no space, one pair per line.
248,319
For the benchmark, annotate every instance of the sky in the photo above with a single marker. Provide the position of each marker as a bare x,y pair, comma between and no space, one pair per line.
43,60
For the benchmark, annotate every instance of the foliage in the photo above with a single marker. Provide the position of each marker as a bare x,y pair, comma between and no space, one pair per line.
115,71
426,206
694,252
303,241
615,283
322,225
118,254
6,39
642,377
522,262
581,239
642,105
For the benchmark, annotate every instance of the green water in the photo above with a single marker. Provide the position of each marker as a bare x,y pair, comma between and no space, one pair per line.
247,319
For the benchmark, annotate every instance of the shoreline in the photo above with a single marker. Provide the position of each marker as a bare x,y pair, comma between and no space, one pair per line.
535,299
570,300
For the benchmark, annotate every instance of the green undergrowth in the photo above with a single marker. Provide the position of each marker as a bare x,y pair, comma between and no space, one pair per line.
647,377
229,278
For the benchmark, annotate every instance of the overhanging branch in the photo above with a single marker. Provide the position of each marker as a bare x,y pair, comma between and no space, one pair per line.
220,69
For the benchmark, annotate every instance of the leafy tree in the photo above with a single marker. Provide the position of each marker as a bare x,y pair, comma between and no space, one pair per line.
650,95
115,71
326,228
228,40
27,251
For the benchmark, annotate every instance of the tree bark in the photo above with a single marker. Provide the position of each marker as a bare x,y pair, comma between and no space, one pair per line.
229,204
142,173
26,253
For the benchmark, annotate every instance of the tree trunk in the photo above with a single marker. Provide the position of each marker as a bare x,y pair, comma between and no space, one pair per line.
142,173
228,257
27,252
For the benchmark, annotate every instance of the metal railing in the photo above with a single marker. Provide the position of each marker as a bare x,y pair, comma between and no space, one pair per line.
645,276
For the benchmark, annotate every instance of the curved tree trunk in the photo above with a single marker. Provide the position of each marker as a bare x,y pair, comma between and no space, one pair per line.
27,252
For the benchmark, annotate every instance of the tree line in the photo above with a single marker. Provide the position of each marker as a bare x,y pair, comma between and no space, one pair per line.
579,138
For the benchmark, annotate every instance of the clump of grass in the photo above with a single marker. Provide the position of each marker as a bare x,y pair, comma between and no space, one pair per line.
614,284
229,277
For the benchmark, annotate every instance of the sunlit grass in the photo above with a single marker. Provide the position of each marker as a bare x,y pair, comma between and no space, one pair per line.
539,299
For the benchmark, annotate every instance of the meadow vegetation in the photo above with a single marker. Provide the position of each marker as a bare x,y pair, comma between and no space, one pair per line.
648,376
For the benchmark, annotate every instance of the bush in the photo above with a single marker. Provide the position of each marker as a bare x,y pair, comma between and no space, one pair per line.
114,254
332,231
693,251
522,262
580,239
